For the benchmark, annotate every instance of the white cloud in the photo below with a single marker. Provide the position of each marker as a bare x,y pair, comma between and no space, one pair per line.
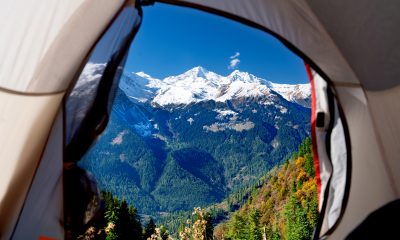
236,55
234,60
233,63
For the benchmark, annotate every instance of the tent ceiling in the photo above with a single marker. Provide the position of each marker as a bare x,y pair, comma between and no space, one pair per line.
27,31
368,36
43,43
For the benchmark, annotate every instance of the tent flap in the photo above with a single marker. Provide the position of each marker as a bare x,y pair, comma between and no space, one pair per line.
43,43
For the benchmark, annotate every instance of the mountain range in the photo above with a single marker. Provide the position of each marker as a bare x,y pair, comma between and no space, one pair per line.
198,84
191,139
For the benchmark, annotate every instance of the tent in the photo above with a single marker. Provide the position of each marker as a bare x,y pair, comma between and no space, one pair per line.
352,50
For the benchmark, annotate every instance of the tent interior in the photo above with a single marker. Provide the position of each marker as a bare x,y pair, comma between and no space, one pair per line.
353,53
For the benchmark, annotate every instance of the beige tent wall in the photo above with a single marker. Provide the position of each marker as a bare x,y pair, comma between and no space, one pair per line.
28,29
24,128
42,213
370,185
385,106
366,34
43,44
367,37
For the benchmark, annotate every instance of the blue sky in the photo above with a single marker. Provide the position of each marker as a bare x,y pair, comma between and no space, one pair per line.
174,39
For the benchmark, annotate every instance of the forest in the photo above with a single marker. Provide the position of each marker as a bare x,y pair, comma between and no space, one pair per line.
283,204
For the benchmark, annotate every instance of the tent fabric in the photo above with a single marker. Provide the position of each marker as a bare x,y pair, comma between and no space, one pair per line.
356,45
385,106
87,108
370,185
332,161
339,160
87,114
24,126
28,29
42,213
321,106
42,43
366,33
380,224
83,94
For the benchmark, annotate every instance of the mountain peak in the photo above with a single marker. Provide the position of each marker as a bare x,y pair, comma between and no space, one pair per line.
198,71
236,71
198,84
199,68
143,75
237,75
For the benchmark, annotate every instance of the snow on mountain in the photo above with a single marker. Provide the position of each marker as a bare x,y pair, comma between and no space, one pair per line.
82,96
292,93
195,75
152,82
194,85
139,86
199,84
88,80
242,84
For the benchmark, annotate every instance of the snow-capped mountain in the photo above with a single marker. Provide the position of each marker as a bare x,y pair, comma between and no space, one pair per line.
199,84
140,86
298,93
197,132
88,80
194,85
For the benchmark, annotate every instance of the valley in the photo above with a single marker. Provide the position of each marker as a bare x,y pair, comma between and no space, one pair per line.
192,139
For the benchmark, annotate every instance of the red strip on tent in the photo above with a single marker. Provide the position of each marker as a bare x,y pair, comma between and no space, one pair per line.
313,129
46,238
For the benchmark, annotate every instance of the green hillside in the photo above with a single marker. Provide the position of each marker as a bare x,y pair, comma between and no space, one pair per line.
160,162
282,205
285,207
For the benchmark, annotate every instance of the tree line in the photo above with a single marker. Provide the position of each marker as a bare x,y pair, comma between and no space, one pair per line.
281,205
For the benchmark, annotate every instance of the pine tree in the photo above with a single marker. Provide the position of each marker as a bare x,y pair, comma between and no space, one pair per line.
297,225
150,229
285,207
237,227
122,220
254,231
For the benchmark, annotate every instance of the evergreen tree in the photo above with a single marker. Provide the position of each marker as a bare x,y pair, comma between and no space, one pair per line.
284,207
297,225
254,231
150,229
122,221
237,228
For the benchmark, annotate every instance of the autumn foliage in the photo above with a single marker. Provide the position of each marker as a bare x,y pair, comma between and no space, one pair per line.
285,207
